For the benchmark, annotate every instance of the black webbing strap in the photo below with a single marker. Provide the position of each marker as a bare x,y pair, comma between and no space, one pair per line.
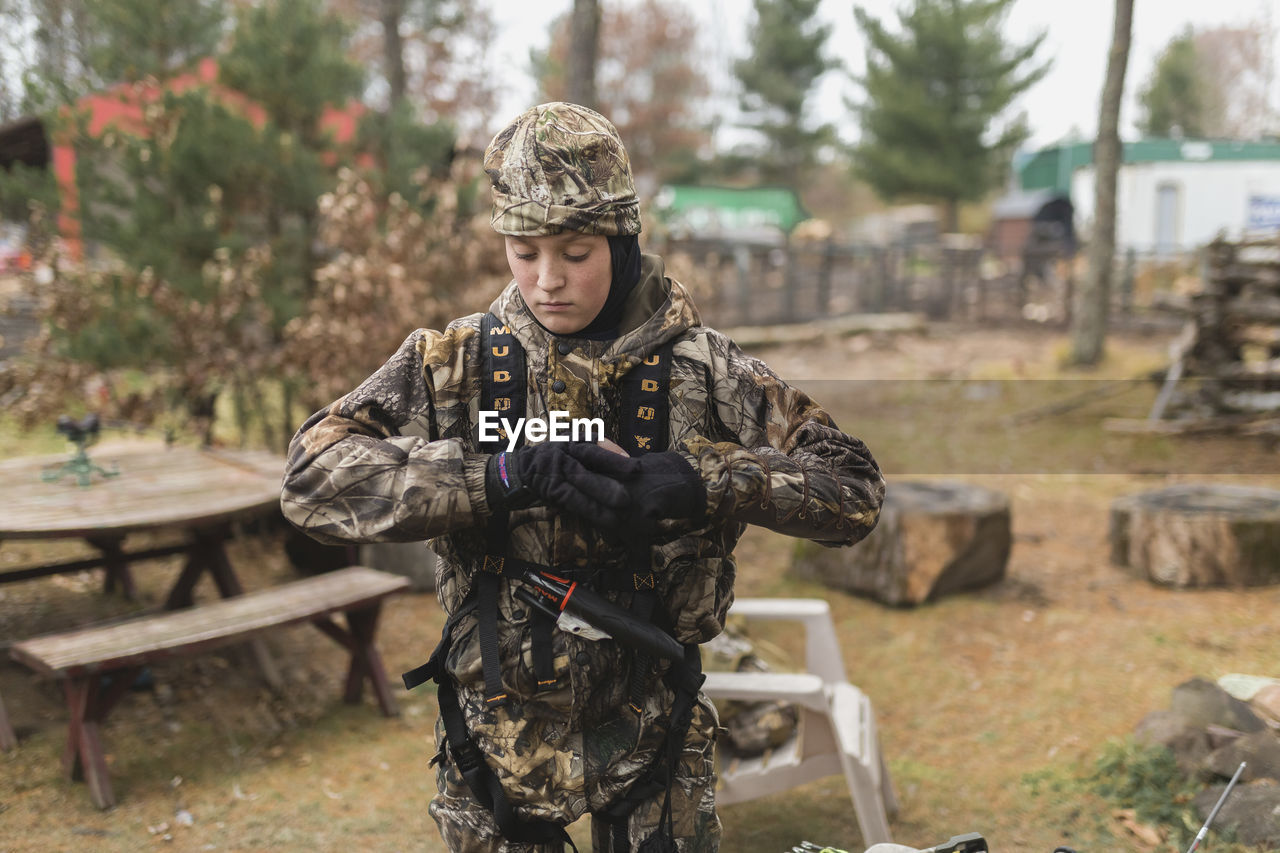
487,582
503,385
644,405
541,627
502,390
644,414
488,587
468,759
433,669
642,607
685,678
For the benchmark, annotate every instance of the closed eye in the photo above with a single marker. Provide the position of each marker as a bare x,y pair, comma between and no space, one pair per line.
577,259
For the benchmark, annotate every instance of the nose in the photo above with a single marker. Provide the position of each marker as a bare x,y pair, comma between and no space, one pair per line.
550,274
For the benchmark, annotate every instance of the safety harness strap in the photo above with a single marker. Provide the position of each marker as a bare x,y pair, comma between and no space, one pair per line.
645,411
644,405
503,383
685,679
468,758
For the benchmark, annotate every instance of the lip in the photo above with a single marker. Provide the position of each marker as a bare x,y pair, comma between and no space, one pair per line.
556,306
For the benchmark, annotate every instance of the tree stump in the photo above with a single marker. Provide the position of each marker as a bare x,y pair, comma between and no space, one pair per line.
1199,535
413,560
933,538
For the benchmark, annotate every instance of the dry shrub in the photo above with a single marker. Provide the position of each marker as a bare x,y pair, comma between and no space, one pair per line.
166,357
396,269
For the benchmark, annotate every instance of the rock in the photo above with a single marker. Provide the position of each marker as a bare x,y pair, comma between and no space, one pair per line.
1266,702
933,538
1250,812
1243,686
1198,535
1220,736
1260,751
413,560
1189,744
1203,703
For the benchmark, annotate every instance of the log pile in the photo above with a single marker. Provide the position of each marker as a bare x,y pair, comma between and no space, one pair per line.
1227,366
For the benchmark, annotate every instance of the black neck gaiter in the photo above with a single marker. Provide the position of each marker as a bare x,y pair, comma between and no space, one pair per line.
624,253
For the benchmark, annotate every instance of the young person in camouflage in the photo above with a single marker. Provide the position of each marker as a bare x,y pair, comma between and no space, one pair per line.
398,459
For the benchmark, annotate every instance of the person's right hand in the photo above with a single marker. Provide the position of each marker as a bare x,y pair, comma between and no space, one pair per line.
577,477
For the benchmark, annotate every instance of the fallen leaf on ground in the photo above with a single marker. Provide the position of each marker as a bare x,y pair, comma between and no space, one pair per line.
1148,836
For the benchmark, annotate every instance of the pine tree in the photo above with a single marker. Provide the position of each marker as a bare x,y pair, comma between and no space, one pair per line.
1173,100
211,181
935,91
777,80
134,39
202,212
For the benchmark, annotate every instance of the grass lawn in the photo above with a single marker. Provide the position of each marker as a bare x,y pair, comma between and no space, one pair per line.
995,706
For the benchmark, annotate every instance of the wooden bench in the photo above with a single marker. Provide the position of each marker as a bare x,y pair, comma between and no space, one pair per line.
80,658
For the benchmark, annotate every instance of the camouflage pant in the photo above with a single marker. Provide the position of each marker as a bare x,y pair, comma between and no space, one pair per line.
468,827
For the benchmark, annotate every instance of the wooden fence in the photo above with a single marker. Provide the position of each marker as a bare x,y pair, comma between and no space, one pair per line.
749,284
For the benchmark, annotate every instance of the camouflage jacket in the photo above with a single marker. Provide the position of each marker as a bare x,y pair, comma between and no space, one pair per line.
396,460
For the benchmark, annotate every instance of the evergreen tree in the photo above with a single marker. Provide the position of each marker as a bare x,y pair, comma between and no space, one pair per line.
207,185
289,56
935,91
1173,100
134,39
778,78
201,210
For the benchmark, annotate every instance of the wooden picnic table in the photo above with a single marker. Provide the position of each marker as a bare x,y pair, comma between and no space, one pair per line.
192,492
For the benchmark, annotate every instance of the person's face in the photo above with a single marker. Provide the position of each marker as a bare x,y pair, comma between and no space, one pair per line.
564,278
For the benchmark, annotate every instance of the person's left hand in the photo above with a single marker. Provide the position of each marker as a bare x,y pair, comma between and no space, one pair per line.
665,487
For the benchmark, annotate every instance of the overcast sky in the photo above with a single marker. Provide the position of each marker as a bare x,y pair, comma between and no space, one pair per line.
1079,36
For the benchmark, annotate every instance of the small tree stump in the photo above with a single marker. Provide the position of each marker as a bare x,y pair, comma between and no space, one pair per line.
1199,535
933,538
413,560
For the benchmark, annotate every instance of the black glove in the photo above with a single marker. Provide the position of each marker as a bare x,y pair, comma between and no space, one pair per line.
665,486
577,477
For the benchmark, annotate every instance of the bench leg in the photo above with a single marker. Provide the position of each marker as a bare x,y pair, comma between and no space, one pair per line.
89,704
8,740
366,663
365,659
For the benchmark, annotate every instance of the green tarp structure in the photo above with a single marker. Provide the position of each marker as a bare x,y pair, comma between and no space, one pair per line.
720,209
1051,168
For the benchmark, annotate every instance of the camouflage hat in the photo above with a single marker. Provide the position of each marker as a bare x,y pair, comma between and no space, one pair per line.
561,167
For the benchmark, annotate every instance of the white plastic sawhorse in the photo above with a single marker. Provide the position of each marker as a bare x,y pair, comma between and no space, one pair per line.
837,730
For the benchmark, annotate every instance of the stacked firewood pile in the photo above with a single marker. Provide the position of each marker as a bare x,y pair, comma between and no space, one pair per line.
1226,369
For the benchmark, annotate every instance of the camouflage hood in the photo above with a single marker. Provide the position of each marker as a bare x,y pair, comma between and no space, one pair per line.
561,167
657,310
